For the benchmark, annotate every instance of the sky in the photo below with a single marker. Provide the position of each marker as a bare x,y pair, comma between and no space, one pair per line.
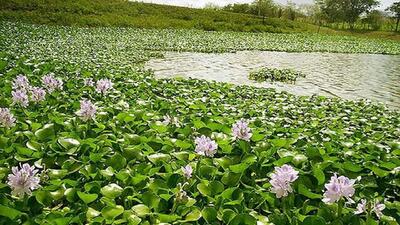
201,3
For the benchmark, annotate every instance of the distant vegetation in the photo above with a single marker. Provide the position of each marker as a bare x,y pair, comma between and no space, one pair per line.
143,15
260,16
345,14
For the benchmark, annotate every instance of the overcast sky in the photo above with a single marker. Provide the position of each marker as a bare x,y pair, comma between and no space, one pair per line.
201,3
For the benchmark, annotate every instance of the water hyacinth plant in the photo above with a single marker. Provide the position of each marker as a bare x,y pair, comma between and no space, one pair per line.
275,74
23,180
87,111
21,82
20,97
187,171
282,179
241,130
338,188
103,86
52,83
130,165
7,119
37,94
205,146
365,207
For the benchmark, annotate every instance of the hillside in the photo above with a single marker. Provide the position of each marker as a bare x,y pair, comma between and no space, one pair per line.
142,15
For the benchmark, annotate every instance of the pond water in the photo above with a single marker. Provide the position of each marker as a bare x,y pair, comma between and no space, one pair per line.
349,76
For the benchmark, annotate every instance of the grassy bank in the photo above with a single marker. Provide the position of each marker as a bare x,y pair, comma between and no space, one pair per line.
123,13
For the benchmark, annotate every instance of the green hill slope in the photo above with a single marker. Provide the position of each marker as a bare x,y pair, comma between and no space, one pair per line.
143,15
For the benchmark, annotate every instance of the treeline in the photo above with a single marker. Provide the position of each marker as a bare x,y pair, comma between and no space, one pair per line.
338,14
266,9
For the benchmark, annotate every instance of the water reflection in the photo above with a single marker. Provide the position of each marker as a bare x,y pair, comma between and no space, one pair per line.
350,76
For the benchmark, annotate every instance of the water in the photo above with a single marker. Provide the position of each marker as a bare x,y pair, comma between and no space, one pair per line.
349,76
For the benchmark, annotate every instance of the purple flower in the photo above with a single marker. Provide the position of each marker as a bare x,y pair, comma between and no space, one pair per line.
6,118
51,83
171,120
20,97
23,181
282,179
205,146
21,82
103,86
337,188
361,207
187,171
87,111
37,94
241,130
378,208
181,196
88,82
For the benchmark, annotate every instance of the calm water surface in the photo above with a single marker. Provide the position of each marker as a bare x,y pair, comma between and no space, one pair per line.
350,76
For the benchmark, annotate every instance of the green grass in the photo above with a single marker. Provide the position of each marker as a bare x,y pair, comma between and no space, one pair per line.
123,13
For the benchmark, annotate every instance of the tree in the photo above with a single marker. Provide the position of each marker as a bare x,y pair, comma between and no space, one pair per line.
264,8
395,9
346,10
375,18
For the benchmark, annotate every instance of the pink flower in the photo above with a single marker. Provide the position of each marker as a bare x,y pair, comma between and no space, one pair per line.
6,118
87,111
23,181
88,82
37,94
171,120
103,86
282,179
361,207
205,146
51,83
21,82
241,130
337,188
378,208
20,97
187,171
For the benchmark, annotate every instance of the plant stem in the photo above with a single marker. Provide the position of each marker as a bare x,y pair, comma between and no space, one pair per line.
340,208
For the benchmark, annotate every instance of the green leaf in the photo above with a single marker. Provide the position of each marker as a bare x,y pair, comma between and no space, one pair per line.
194,215
352,167
159,157
117,162
243,219
87,198
43,197
141,210
68,143
319,174
47,132
379,172
111,191
303,190
209,214
313,220
111,212
279,142
9,212
91,213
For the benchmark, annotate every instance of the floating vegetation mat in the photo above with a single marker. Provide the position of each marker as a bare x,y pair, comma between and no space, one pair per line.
89,137
275,74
